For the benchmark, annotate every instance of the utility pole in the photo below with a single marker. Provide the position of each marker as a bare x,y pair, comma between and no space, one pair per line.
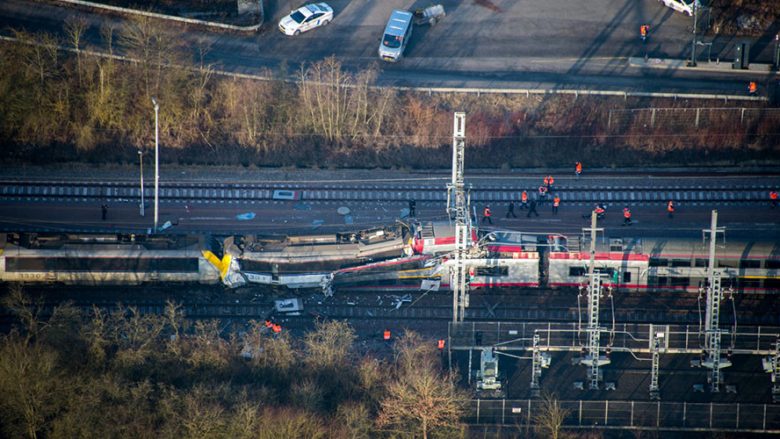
656,339
459,210
593,358
712,333
693,43
156,164
141,161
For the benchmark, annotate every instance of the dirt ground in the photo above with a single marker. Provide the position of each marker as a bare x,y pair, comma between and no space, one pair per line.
745,17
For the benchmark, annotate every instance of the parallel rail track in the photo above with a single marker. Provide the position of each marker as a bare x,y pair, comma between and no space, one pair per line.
170,192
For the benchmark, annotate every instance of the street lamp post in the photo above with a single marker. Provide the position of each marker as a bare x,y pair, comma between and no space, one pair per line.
693,43
141,161
156,164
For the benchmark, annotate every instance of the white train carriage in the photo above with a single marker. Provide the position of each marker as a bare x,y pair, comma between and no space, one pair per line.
624,270
103,259
750,267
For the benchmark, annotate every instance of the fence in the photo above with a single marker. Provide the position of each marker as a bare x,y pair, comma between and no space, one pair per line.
640,415
676,119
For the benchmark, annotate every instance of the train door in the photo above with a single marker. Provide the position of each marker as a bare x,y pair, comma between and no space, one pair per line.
629,278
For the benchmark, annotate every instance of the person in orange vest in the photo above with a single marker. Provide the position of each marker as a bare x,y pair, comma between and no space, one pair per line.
643,30
601,212
276,328
550,182
578,169
752,87
626,216
441,344
773,198
556,203
670,208
546,181
386,335
486,215
524,200
268,324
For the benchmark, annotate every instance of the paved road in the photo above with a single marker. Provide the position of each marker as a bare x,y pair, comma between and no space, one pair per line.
486,43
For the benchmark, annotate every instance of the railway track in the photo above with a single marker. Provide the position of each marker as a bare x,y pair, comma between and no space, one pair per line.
191,192
427,313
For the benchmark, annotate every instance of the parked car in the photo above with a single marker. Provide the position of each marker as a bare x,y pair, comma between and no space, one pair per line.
305,18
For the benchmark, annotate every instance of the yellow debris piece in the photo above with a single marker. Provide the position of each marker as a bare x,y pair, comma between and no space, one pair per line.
221,265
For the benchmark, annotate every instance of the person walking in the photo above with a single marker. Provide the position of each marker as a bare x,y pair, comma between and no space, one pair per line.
752,88
578,169
556,203
643,30
524,200
412,208
104,211
550,182
670,208
486,214
542,194
532,209
773,198
511,210
626,216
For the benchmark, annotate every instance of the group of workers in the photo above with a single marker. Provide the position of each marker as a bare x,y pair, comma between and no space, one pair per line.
274,327
387,337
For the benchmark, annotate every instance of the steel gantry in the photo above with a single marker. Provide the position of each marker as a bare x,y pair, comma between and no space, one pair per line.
458,209
656,344
771,365
712,332
593,358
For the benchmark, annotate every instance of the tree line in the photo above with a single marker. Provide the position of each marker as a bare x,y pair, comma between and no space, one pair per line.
73,105
126,374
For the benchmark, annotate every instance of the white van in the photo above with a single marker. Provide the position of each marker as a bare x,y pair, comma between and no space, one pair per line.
397,34
684,6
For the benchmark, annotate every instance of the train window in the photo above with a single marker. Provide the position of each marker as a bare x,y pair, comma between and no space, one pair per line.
681,262
659,281
772,263
772,284
749,283
749,263
492,271
102,264
701,262
681,281
659,262
577,271
728,263
626,277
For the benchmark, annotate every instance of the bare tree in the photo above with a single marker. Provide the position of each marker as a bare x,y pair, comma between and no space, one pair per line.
421,397
550,416
74,30
329,344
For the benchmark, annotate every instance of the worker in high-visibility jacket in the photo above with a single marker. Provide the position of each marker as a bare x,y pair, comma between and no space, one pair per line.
276,328
386,335
670,208
556,203
773,198
524,200
753,87
550,182
626,216
578,169
486,214
440,345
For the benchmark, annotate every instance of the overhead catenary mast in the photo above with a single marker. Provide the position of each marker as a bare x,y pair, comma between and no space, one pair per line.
458,210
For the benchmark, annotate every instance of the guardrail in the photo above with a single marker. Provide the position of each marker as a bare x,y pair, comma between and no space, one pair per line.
183,20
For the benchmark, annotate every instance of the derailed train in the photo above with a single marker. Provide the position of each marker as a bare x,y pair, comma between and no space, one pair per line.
385,259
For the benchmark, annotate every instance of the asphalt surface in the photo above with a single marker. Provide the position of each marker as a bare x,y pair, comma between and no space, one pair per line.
489,43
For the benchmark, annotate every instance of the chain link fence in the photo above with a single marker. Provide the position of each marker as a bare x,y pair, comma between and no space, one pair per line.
640,415
685,119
